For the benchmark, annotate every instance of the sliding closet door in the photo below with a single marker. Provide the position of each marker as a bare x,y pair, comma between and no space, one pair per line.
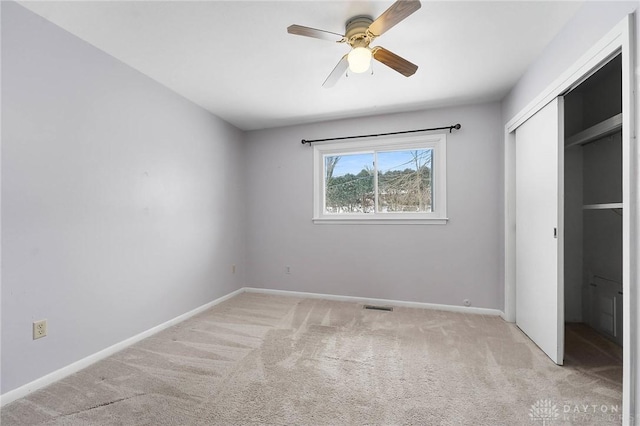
539,206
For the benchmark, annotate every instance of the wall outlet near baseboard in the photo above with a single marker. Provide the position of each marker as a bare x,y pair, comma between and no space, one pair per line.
287,269
39,329
233,268
466,302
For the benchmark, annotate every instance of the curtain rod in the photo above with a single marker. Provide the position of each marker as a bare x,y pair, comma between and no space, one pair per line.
455,126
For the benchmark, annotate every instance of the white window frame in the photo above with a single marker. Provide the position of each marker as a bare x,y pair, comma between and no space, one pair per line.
436,142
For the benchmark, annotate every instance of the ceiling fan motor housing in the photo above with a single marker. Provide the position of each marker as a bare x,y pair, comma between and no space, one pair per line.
356,31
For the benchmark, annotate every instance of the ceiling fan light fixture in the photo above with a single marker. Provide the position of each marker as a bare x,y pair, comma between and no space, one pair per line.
359,59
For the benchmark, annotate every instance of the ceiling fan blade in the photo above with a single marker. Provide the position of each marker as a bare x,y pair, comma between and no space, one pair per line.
396,13
394,61
337,72
312,32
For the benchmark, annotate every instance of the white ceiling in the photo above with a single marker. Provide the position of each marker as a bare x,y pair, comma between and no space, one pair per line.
236,59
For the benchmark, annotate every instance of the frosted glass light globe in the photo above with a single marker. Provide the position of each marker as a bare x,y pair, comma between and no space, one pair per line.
359,59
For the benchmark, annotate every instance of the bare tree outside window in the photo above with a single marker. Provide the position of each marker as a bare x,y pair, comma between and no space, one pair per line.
404,181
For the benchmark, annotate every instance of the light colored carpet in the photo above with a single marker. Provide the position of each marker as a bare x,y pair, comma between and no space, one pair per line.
262,359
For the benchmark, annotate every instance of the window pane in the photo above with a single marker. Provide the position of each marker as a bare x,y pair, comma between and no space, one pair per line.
349,183
404,181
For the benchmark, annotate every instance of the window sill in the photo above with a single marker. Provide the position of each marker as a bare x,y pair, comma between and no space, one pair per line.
378,221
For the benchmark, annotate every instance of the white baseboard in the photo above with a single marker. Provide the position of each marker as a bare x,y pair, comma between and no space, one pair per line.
421,305
50,378
504,317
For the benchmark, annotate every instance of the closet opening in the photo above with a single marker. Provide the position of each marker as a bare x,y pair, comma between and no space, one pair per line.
593,240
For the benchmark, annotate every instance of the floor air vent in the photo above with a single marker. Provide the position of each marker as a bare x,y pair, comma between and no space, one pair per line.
379,308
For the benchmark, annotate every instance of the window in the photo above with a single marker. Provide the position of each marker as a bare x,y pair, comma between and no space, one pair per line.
391,180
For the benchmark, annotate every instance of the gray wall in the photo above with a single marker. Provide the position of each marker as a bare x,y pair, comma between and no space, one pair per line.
592,22
121,201
423,263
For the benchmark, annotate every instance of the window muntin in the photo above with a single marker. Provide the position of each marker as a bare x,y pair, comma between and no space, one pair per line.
401,179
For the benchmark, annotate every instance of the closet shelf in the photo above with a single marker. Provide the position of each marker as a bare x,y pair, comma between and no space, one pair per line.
604,128
602,206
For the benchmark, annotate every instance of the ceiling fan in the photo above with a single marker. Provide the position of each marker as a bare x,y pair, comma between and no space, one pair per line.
360,31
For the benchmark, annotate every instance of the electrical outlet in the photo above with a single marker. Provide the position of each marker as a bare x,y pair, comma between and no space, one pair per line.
466,302
233,269
39,329
287,269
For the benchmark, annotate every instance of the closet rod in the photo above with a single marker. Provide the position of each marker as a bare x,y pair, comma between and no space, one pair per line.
455,126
